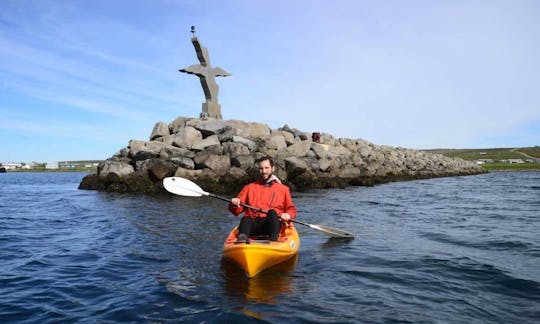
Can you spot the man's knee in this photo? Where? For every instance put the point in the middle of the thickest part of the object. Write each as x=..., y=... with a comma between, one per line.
x=272, y=215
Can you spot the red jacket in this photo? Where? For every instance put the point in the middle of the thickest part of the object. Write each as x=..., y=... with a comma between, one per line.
x=275, y=196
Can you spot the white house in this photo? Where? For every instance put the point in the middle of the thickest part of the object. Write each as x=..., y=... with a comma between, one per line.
x=515, y=161
x=51, y=165
x=484, y=161
x=12, y=166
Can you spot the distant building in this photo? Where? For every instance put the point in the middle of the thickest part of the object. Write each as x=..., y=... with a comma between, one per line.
x=515, y=161
x=51, y=165
x=12, y=166
x=66, y=165
x=484, y=161
x=34, y=164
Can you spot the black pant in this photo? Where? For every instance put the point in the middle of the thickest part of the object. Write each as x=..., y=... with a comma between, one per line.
x=268, y=225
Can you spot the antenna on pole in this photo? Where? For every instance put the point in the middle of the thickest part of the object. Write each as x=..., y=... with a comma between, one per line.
x=193, y=30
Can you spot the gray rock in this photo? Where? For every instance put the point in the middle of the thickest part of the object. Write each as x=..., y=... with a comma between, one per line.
x=236, y=173
x=145, y=155
x=288, y=136
x=208, y=127
x=233, y=149
x=160, y=129
x=327, y=139
x=183, y=162
x=220, y=164
x=226, y=134
x=249, y=130
x=167, y=139
x=178, y=123
x=348, y=172
x=187, y=137
x=295, y=166
x=243, y=162
x=297, y=133
x=276, y=142
x=299, y=149
x=118, y=168
x=169, y=152
x=325, y=164
x=249, y=143
x=140, y=150
x=205, y=143
x=159, y=169
x=188, y=174
x=322, y=151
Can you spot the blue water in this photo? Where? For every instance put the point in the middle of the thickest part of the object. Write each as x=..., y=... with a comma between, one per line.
x=449, y=250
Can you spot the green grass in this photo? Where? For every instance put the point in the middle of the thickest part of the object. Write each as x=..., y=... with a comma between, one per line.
x=532, y=151
x=496, y=154
x=508, y=166
x=491, y=153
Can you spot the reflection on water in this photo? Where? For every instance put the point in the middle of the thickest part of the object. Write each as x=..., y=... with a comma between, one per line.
x=266, y=287
x=334, y=242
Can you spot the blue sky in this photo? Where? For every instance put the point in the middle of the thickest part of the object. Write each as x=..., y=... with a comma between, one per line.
x=79, y=79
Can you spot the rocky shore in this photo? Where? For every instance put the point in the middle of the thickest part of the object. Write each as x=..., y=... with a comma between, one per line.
x=219, y=155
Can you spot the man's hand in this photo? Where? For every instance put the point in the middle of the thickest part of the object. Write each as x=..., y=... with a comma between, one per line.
x=285, y=216
x=236, y=202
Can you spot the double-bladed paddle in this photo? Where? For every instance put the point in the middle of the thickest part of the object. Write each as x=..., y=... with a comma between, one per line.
x=184, y=187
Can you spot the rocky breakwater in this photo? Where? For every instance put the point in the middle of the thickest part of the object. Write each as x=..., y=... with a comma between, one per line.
x=220, y=155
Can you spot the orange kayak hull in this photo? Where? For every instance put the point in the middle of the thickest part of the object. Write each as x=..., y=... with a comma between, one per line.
x=259, y=255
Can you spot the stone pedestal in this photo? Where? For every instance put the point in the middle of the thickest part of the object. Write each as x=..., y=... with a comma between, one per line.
x=211, y=109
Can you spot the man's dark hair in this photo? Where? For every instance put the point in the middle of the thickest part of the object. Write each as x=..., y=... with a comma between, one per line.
x=264, y=158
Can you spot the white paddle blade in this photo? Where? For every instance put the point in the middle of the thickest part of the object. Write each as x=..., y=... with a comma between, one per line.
x=183, y=187
x=332, y=232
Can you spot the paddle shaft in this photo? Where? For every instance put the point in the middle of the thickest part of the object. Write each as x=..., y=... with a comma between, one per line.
x=185, y=187
x=260, y=210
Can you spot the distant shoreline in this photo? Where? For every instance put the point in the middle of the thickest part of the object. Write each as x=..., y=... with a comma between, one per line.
x=512, y=167
x=52, y=170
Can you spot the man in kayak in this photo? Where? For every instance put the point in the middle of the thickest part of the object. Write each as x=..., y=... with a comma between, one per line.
x=267, y=193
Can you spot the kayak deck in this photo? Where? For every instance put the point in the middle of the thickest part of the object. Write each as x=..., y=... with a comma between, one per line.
x=261, y=254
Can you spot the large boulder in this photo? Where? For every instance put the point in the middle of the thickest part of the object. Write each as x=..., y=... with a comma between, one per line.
x=295, y=166
x=159, y=169
x=233, y=149
x=187, y=137
x=249, y=130
x=242, y=140
x=220, y=164
x=177, y=124
x=114, y=167
x=183, y=162
x=276, y=142
x=208, y=127
x=243, y=162
x=212, y=140
x=299, y=149
x=160, y=129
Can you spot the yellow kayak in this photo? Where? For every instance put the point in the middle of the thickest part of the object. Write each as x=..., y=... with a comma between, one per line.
x=259, y=254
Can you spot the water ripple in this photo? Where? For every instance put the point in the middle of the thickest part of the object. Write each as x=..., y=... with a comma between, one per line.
x=463, y=249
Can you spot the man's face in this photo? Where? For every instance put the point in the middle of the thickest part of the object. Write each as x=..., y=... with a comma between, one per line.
x=265, y=170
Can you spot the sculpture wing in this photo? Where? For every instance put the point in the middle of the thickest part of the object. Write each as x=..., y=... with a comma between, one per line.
x=217, y=71
x=193, y=69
